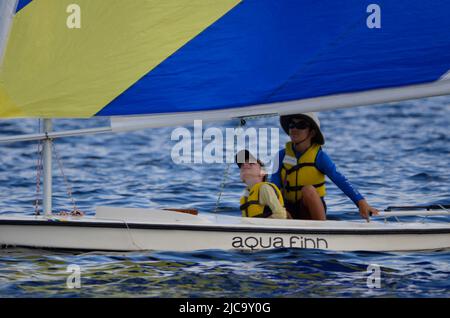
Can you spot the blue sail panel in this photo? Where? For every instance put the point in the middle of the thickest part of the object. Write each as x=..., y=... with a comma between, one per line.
x=265, y=51
x=21, y=4
x=408, y=49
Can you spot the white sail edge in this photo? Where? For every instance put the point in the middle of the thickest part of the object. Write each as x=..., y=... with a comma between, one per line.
x=7, y=11
x=445, y=77
x=364, y=98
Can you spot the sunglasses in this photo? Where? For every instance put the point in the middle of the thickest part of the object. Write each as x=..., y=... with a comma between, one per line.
x=299, y=125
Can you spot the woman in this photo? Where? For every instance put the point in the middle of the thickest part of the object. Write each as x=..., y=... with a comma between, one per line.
x=302, y=168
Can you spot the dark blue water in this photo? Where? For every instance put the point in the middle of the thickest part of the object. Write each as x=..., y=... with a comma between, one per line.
x=394, y=154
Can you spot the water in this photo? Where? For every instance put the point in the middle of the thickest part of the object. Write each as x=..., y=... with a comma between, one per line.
x=280, y=273
x=394, y=154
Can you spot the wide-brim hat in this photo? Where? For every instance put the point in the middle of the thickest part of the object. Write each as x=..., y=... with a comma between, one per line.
x=311, y=118
x=245, y=156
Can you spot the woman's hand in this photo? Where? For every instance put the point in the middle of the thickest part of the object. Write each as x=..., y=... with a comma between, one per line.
x=365, y=210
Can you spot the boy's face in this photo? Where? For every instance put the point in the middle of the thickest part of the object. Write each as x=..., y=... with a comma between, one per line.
x=251, y=170
x=300, y=130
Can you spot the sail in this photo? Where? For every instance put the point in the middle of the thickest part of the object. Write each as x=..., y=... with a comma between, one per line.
x=178, y=60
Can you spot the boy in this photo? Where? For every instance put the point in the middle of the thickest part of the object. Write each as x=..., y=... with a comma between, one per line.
x=261, y=198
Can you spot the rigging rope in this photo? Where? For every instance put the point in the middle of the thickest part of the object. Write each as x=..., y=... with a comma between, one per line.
x=242, y=123
x=67, y=184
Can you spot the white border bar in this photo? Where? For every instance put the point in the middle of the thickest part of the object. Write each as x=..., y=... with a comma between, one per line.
x=56, y=134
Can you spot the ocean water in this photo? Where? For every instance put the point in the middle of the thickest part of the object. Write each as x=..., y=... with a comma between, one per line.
x=397, y=154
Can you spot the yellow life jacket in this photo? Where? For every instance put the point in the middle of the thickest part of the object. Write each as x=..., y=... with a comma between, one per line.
x=250, y=205
x=297, y=173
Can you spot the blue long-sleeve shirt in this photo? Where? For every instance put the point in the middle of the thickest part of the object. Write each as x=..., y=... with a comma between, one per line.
x=325, y=165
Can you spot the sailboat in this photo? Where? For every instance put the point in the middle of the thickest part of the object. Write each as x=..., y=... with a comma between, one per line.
x=154, y=63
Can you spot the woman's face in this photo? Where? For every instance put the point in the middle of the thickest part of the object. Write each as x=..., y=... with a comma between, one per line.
x=300, y=130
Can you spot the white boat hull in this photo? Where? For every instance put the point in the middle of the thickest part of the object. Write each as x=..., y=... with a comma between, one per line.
x=145, y=229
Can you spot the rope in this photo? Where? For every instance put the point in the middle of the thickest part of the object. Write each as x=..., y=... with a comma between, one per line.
x=131, y=237
x=222, y=186
x=68, y=187
x=242, y=123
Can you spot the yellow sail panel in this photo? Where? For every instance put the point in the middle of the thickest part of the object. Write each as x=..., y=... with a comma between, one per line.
x=54, y=70
x=7, y=107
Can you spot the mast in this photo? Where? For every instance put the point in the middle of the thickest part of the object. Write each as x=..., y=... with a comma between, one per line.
x=47, y=165
x=7, y=9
